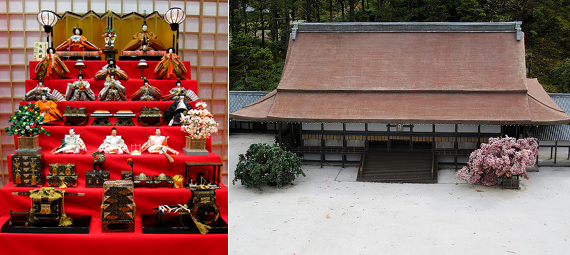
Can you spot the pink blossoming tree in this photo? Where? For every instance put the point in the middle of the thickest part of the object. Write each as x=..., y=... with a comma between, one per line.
x=500, y=157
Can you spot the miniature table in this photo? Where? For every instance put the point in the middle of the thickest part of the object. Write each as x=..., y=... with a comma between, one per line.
x=124, y=118
x=101, y=118
x=216, y=177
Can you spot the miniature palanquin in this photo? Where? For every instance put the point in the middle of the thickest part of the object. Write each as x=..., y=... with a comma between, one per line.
x=47, y=206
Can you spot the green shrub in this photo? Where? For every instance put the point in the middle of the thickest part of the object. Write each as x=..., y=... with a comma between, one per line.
x=264, y=164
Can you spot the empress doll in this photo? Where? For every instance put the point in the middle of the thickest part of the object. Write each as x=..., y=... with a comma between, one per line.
x=170, y=67
x=77, y=42
x=51, y=67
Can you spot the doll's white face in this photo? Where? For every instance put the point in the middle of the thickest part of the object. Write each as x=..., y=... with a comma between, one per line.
x=43, y=98
x=170, y=50
x=157, y=132
x=76, y=31
x=50, y=50
x=80, y=78
x=72, y=132
x=144, y=28
x=114, y=132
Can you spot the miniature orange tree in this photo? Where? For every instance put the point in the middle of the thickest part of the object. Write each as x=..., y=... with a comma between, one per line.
x=26, y=121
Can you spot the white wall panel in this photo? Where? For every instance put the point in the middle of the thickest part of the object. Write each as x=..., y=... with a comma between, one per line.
x=131, y=6
x=146, y=5
x=445, y=128
x=16, y=22
x=496, y=129
x=311, y=126
x=193, y=8
x=333, y=126
x=14, y=5
x=210, y=9
x=355, y=127
x=80, y=6
x=63, y=6
x=377, y=127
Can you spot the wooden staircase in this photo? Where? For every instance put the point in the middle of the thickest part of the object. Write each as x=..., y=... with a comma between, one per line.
x=402, y=166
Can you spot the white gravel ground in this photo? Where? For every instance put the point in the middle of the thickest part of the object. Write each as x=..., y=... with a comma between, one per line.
x=328, y=212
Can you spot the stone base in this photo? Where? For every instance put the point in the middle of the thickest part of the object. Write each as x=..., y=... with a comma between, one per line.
x=34, y=151
x=195, y=153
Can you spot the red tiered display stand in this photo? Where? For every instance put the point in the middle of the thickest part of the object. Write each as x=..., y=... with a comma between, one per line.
x=97, y=242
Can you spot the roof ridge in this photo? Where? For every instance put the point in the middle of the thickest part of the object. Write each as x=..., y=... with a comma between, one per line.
x=413, y=27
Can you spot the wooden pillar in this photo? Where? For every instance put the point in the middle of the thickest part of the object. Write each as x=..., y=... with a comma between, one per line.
x=456, y=144
x=478, y=136
x=411, y=137
x=433, y=136
x=343, y=143
x=280, y=138
x=366, y=142
x=322, y=143
x=555, y=151
x=389, y=143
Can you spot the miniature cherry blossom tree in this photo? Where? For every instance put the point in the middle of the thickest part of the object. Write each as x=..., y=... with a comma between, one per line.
x=500, y=157
x=199, y=122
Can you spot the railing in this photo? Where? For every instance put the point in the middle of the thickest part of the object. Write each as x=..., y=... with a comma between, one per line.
x=554, y=150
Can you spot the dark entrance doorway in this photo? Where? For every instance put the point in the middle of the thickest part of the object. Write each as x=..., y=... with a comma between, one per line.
x=418, y=166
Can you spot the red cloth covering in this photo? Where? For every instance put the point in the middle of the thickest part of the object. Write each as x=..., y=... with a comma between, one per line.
x=131, y=85
x=129, y=66
x=97, y=242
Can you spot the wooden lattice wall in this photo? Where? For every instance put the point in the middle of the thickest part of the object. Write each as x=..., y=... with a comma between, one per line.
x=203, y=42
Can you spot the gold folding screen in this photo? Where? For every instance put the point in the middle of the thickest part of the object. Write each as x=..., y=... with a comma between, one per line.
x=203, y=42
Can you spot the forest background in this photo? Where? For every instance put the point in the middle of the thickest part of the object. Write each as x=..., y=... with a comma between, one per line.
x=259, y=31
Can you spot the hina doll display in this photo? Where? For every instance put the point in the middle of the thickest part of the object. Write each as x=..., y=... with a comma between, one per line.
x=180, y=92
x=176, y=111
x=113, y=91
x=157, y=144
x=170, y=67
x=111, y=69
x=146, y=93
x=144, y=41
x=77, y=42
x=71, y=143
x=51, y=67
x=113, y=144
x=36, y=93
x=48, y=110
x=79, y=90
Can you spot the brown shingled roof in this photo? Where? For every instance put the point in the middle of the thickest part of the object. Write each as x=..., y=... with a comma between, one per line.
x=433, y=76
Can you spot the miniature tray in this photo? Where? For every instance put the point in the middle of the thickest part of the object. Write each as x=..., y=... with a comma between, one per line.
x=101, y=114
x=173, y=225
x=124, y=114
x=80, y=225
